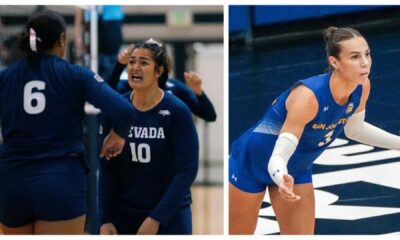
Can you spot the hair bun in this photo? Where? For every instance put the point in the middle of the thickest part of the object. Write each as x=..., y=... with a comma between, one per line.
x=328, y=32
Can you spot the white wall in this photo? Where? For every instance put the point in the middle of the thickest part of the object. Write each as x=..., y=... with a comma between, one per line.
x=208, y=63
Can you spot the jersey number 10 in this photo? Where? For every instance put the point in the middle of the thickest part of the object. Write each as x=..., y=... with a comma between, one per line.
x=142, y=154
x=34, y=102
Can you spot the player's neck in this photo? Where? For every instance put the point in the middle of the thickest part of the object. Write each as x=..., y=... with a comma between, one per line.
x=148, y=99
x=56, y=52
x=340, y=88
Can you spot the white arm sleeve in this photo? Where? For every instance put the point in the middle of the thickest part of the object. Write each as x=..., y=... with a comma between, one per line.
x=359, y=130
x=284, y=148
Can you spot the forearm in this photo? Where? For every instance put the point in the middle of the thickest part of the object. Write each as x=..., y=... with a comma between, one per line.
x=186, y=160
x=107, y=185
x=115, y=75
x=359, y=130
x=284, y=148
x=113, y=105
x=205, y=108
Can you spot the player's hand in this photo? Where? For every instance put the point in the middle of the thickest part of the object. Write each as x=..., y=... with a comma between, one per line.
x=194, y=82
x=123, y=56
x=286, y=189
x=108, y=229
x=112, y=145
x=149, y=227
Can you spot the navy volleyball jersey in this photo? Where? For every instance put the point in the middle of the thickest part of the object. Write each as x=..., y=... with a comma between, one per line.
x=254, y=148
x=42, y=107
x=200, y=105
x=157, y=166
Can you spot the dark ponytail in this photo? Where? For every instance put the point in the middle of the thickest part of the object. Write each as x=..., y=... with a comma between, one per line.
x=41, y=32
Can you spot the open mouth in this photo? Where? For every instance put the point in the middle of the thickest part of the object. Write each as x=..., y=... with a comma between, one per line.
x=364, y=74
x=137, y=78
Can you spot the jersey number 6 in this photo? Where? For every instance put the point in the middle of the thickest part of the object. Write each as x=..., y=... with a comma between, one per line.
x=34, y=102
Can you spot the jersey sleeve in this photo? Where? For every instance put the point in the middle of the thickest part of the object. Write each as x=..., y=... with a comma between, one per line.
x=201, y=106
x=186, y=152
x=112, y=104
x=206, y=109
x=113, y=80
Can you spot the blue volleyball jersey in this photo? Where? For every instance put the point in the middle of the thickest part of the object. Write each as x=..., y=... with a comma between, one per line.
x=158, y=164
x=42, y=107
x=255, y=146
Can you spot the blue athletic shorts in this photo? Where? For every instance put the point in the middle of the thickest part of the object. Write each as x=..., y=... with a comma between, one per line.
x=253, y=183
x=26, y=197
x=129, y=222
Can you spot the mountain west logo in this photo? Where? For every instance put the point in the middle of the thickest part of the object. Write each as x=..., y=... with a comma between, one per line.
x=98, y=78
x=349, y=108
x=164, y=112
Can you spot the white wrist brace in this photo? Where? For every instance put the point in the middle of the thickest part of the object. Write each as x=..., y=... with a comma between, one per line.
x=359, y=130
x=284, y=148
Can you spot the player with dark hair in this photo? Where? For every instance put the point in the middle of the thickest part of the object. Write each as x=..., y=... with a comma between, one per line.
x=191, y=94
x=146, y=189
x=42, y=166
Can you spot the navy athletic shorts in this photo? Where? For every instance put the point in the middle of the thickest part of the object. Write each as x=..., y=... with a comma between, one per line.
x=34, y=192
x=253, y=183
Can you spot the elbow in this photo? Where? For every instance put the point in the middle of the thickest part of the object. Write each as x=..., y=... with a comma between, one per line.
x=211, y=118
x=348, y=133
x=351, y=132
x=214, y=117
x=190, y=173
x=186, y=177
x=193, y=173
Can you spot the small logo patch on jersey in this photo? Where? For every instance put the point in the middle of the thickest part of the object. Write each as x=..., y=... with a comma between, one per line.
x=98, y=78
x=234, y=178
x=164, y=112
x=326, y=108
x=349, y=108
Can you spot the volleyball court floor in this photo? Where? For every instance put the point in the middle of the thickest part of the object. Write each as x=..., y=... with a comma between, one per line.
x=357, y=187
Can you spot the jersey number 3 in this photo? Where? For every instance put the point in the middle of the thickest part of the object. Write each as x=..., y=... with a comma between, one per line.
x=142, y=154
x=34, y=101
x=328, y=138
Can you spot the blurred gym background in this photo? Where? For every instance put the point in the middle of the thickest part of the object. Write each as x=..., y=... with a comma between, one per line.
x=194, y=38
x=271, y=47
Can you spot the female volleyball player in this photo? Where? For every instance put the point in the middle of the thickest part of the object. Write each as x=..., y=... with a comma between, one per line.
x=42, y=97
x=146, y=189
x=277, y=153
x=192, y=94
